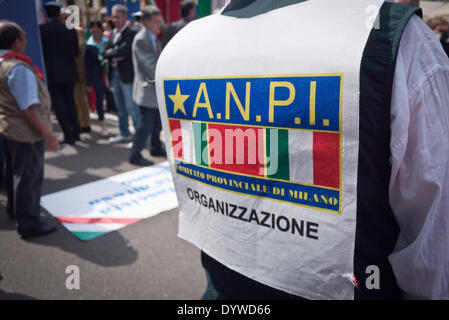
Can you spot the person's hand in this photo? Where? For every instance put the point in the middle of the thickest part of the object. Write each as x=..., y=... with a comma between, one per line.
x=108, y=52
x=51, y=142
x=118, y=59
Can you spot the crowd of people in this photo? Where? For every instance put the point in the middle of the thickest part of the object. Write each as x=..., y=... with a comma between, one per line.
x=103, y=67
x=109, y=67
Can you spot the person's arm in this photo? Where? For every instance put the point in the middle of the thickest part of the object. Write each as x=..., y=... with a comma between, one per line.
x=21, y=77
x=123, y=49
x=419, y=184
x=107, y=45
x=145, y=59
x=36, y=121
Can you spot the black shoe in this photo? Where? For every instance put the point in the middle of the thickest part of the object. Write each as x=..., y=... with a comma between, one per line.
x=42, y=229
x=158, y=153
x=141, y=162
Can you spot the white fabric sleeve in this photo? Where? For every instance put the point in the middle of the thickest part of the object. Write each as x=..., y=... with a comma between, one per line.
x=419, y=185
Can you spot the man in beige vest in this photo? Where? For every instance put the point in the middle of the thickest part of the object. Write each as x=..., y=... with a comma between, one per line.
x=26, y=129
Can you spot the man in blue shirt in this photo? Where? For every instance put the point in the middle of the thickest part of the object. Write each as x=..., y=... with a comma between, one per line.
x=25, y=127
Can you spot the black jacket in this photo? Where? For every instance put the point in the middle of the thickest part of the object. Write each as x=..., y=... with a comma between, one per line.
x=60, y=48
x=121, y=49
x=173, y=29
x=94, y=70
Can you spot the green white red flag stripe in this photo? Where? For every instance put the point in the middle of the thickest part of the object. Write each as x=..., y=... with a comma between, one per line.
x=273, y=153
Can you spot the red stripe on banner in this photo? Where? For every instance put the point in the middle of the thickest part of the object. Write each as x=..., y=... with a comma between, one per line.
x=176, y=138
x=326, y=159
x=241, y=153
x=127, y=221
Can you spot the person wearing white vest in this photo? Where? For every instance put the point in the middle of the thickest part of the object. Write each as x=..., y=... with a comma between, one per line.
x=310, y=169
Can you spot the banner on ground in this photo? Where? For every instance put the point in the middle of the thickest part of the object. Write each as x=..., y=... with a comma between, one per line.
x=93, y=209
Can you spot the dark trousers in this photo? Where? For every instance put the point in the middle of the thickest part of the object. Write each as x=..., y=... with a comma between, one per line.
x=226, y=284
x=99, y=89
x=63, y=103
x=24, y=174
x=149, y=124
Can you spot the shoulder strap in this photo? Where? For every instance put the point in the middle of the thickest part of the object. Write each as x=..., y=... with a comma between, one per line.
x=376, y=228
x=251, y=8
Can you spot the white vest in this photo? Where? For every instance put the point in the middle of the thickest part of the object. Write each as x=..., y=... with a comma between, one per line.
x=261, y=123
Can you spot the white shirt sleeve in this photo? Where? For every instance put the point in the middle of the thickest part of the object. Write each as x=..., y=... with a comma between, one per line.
x=419, y=184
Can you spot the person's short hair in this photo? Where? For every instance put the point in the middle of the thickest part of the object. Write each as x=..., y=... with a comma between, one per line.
x=186, y=6
x=9, y=33
x=120, y=8
x=149, y=11
x=96, y=23
x=436, y=21
x=52, y=11
x=110, y=23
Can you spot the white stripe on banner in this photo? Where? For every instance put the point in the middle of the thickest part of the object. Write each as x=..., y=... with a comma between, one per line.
x=188, y=144
x=300, y=146
x=93, y=227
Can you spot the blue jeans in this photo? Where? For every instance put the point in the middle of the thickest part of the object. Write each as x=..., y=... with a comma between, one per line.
x=150, y=124
x=123, y=96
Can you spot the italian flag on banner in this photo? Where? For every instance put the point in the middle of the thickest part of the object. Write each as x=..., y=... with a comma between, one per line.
x=89, y=228
x=303, y=156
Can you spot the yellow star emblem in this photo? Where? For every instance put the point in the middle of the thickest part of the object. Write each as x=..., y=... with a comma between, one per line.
x=178, y=100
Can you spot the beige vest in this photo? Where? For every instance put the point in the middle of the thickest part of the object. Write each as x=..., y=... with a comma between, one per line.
x=13, y=123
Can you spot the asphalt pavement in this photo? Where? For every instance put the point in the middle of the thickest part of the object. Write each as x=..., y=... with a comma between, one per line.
x=145, y=260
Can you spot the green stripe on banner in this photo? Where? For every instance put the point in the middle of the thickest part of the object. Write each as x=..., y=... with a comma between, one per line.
x=200, y=142
x=283, y=167
x=87, y=235
x=204, y=8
